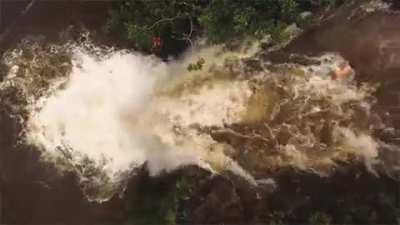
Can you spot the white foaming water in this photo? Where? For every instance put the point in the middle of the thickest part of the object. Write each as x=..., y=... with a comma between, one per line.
x=109, y=113
x=88, y=115
x=215, y=104
x=116, y=112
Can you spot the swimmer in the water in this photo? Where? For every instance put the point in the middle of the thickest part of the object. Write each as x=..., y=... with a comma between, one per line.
x=342, y=72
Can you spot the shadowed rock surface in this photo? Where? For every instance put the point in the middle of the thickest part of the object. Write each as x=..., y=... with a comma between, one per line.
x=368, y=40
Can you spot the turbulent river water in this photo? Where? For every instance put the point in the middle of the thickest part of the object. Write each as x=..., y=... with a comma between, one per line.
x=101, y=113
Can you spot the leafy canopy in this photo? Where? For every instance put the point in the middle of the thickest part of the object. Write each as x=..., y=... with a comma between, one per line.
x=178, y=22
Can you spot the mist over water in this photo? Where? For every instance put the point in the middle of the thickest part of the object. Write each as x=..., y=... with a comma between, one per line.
x=113, y=111
x=109, y=112
x=88, y=115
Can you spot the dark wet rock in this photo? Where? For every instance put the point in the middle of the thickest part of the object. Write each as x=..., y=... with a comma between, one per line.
x=33, y=191
x=395, y=5
x=352, y=194
x=191, y=195
x=368, y=40
x=52, y=17
x=227, y=199
x=221, y=203
x=35, y=194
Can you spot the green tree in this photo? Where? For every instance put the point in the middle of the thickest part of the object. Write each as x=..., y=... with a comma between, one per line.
x=224, y=20
x=320, y=218
x=140, y=21
x=178, y=22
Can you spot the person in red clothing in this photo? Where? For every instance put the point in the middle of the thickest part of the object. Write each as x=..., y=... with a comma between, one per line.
x=157, y=43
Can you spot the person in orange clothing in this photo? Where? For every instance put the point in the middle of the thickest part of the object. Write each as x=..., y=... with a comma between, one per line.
x=343, y=71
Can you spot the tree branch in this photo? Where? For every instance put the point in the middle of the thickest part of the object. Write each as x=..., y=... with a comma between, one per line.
x=161, y=21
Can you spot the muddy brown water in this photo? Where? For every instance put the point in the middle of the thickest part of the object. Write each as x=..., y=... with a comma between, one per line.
x=371, y=44
x=33, y=193
x=50, y=17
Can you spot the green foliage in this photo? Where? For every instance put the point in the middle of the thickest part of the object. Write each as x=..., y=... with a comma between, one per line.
x=196, y=66
x=181, y=193
x=320, y=218
x=158, y=202
x=177, y=22
x=155, y=205
x=139, y=21
x=276, y=218
x=331, y=2
x=224, y=20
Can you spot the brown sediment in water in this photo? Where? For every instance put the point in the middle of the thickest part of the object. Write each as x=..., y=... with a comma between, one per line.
x=369, y=41
x=48, y=19
x=30, y=200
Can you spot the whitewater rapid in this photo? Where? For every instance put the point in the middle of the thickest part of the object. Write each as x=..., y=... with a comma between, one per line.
x=109, y=112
